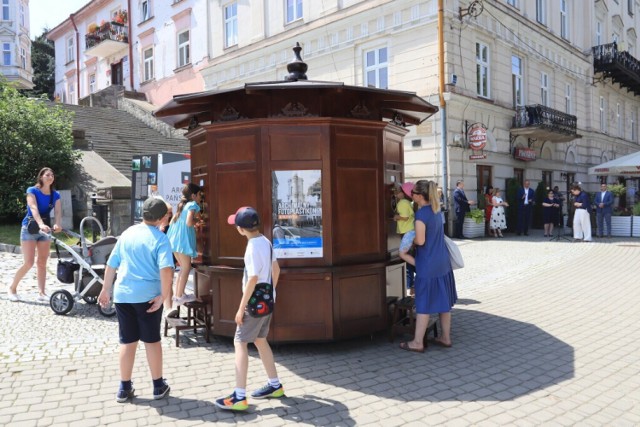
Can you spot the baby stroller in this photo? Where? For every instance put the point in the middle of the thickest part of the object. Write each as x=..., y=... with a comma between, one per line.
x=85, y=269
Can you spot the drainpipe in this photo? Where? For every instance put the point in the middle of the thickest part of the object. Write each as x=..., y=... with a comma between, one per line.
x=77, y=56
x=130, y=38
x=443, y=104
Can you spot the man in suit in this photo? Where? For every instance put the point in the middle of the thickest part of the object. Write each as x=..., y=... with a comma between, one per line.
x=604, y=203
x=461, y=206
x=526, y=199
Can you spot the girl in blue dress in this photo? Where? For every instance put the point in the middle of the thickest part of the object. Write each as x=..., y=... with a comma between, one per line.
x=435, y=285
x=182, y=236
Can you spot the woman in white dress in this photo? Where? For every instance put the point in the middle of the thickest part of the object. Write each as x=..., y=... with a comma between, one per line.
x=498, y=218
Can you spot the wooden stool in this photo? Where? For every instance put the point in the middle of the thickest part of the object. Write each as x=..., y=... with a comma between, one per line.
x=403, y=320
x=197, y=318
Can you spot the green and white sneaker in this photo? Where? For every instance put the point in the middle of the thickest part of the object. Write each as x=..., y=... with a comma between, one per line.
x=268, y=391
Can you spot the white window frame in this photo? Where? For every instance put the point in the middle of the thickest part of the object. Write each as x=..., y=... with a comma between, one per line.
x=619, y=116
x=292, y=10
x=230, y=24
x=541, y=11
x=6, y=10
x=184, y=49
x=71, y=49
x=23, y=58
x=145, y=10
x=376, y=67
x=148, y=72
x=6, y=54
x=72, y=92
x=22, y=15
x=567, y=98
x=564, y=19
x=598, y=33
x=517, y=81
x=92, y=83
x=603, y=118
x=634, y=125
x=483, y=71
x=544, y=89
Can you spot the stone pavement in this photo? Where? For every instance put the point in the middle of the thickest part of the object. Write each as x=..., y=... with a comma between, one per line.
x=545, y=333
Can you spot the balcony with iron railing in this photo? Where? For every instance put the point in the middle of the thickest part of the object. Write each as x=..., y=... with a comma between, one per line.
x=544, y=123
x=620, y=66
x=107, y=40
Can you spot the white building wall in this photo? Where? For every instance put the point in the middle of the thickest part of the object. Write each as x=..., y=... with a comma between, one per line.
x=15, y=32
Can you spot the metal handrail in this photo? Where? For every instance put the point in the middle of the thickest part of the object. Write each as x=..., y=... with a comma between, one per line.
x=540, y=115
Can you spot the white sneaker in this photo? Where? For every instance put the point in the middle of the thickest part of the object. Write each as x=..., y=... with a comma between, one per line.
x=13, y=297
x=184, y=299
x=43, y=298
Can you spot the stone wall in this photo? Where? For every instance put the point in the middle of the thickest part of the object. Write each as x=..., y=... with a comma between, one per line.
x=147, y=118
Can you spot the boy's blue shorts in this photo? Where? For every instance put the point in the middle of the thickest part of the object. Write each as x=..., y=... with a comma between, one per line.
x=135, y=324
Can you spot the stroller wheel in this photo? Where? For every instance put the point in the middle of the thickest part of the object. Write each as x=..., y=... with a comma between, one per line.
x=108, y=311
x=90, y=300
x=61, y=302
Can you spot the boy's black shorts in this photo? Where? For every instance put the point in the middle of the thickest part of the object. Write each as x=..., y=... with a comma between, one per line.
x=135, y=324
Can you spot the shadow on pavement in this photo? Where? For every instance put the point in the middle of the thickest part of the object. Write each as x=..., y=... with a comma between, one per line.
x=493, y=359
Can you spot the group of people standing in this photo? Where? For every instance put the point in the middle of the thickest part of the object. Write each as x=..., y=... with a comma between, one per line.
x=435, y=286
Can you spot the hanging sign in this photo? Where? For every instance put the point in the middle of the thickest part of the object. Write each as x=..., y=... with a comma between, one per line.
x=525, y=154
x=477, y=136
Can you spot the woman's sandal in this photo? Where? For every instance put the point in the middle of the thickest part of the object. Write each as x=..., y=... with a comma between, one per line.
x=405, y=346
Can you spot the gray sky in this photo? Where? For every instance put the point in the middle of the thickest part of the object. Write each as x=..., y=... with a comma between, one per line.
x=50, y=13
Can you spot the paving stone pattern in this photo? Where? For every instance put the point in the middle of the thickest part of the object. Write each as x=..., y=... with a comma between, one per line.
x=545, y=333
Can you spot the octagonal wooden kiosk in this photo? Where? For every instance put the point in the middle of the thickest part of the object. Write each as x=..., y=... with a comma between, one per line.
x=317, y=160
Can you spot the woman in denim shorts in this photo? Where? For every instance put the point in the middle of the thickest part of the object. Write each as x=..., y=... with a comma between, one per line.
x=41, y=200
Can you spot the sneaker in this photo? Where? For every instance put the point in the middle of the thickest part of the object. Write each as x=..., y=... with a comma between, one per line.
x=124, y=395
x=268, y=391
x=160, y=392
x=13, y=297
x=43, y=298
x=232, y=403
x=184, y=299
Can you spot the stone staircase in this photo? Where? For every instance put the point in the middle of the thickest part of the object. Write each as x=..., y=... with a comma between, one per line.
x=117, y=136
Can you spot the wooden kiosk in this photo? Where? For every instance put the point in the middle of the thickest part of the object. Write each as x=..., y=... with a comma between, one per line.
x=318, y=161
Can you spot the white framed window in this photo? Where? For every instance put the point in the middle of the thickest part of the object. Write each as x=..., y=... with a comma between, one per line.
x=564, y=19
x=72, y=93
x=630, y=7
x=513, y=3
x=71, y=50
x=598, y=33
x=22, y=16
x=231, y=24
x=5, y=10
x=567, y=98
x=541, y=11
x=6, y=53
x=184, y=48
x=619, y=116
x=92, y=83
x=603, y=118
x=544, y=89
x=376, y=68
x=634, y=125
x=483, y=87
x=293, y=10
x=145, y=10
x=147, y=56
x=517, y=81
x=23, y=58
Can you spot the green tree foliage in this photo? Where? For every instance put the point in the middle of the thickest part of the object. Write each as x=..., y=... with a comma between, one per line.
x=33, y=134
x=44, y=63
x=511, y=191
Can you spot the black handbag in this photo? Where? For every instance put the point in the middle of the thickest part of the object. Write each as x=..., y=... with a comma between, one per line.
x=261, y=302
x=65, y=268
x=32, y=224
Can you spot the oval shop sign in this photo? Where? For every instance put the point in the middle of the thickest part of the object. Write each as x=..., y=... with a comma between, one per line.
x=477, y=136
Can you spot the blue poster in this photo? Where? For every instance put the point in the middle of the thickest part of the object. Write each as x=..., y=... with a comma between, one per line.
x=297, y=214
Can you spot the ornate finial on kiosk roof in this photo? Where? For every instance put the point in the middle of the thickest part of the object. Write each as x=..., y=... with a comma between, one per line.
x=296, y=68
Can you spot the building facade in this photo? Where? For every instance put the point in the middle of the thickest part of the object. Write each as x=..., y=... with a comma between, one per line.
x=16, y=44
x=148, y=46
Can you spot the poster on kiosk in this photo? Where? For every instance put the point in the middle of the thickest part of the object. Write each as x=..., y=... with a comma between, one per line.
x=158, y=175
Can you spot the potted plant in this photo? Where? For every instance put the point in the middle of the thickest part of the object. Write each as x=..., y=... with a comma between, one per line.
x=621, y=221
x=92, y=28
x=618, y=191
x=473, y=225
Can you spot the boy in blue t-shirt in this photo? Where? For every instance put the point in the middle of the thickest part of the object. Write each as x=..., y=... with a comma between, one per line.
x=142, y=256
x=260, y=266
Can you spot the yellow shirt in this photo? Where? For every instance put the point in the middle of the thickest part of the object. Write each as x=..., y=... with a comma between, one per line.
x=405, y=210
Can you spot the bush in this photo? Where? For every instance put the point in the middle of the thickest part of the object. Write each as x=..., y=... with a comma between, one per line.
x=636, y=209
x=618, y=190
x=33, y=134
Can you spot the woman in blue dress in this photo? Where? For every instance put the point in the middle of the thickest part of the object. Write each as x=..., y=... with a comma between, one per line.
x=182, y=236
x=435, y=285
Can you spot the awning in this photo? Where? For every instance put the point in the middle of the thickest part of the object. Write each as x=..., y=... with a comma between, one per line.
x=628, y=165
